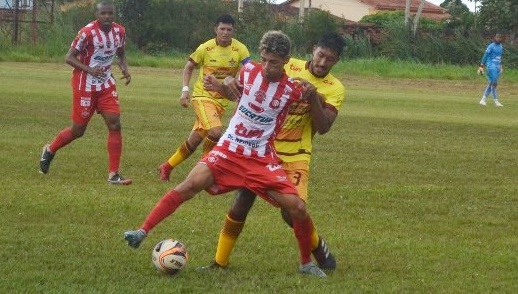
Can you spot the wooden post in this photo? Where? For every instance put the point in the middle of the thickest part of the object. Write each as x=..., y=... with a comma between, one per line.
x=34, y=23
x=301, y=11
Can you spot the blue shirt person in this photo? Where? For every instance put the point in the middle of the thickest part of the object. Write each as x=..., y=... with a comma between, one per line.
x=492, y=60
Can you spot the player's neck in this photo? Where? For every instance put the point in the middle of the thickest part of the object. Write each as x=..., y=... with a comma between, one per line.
x=223, y=44
x=103, y=28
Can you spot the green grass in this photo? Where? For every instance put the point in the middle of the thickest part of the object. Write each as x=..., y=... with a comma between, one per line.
x=415, y=188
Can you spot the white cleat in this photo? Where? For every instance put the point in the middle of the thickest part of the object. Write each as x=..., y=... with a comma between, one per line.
x=483, y=102
x=498, y=104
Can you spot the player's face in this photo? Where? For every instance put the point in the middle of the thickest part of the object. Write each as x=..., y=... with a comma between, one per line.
x=224, y=33
x=322, y=61
x=273, y=65
x=105, y=16
x=498, y=39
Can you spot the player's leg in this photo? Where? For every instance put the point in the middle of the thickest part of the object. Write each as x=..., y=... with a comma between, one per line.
x=108, y=107
x=298, y=173
x=493, y=73
x=181, y=153
x=114, y=146
x=83, y=107
x=210, y=115
x=486, y=93
x=198, y=179
x=302, y=227
x=208, y=118
x=234, y=222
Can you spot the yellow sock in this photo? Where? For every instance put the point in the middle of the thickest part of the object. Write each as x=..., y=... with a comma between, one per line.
x=314, y=238
x=208, y=143
x=227, y=240
x=182, y=153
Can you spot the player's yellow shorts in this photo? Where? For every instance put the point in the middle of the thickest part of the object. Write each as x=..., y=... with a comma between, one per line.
x=208, y=114
x=298, y=172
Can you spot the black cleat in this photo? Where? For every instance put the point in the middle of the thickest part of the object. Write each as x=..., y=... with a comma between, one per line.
x=117, y=179
x=323, y=256
x=46, y=159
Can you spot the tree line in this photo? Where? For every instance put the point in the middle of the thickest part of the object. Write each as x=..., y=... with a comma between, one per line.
x=163, y=27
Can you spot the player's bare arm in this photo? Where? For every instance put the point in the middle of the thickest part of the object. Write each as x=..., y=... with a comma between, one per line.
x=71, y=59
x=123, y=65
x=229, y=88
x=211, y=83
x=187, y=74
x=232, y=88
x=322, y=118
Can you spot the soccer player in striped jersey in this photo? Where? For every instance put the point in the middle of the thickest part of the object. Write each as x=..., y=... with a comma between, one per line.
x=294, y=145
x=244, y=157
x=220, y=57
x=93, y=85
x=492, y=59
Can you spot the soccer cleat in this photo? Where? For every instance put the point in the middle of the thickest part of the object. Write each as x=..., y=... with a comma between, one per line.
x=46, y=159
x=498, y=104
x=213, y=266
x=483, y=101
x=134, y=238
x=323, y=256
x=165, y=170
x=311, y=269
x=117, y=179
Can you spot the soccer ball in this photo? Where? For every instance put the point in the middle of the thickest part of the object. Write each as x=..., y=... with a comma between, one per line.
x=169, y=256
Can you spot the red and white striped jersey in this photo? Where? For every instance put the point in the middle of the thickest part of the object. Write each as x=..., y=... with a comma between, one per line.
x=97, y=48
x=260, y=113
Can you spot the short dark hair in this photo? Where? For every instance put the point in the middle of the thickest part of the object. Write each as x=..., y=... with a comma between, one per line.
x=275, y=42
x=225, y=18
x=103, y=3
x=332, y=41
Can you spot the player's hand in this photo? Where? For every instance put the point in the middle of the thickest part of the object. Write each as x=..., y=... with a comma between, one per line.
x=501, y=69
x=96, y=71
x=480, y=70
x=232, y=88
x=211, y=83
x=126, y=76
x=309, y=92
x=184, y=99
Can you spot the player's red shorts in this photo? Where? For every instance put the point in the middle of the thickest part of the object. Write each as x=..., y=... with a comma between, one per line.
x=86, y=103
x=233, y=171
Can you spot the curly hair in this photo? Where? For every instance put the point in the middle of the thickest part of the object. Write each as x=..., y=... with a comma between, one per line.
x=275, y=42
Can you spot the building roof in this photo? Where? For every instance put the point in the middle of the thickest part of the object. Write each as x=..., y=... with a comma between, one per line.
x=361, y=8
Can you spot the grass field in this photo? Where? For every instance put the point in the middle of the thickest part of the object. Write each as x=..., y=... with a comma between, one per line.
x=415, y=188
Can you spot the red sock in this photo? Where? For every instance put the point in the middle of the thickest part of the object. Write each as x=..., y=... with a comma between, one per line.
x=114, y=149
x=166, y=206
x=302, y=231
x=63, y=138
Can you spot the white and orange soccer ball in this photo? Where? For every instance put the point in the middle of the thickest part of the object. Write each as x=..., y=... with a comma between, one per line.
x=169, y=256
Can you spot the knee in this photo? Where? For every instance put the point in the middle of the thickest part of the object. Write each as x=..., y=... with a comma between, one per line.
x=286, y=217
x=297, y=211
x=114, y=126
x=215, y=133
x=78, y=131
x=242, y=205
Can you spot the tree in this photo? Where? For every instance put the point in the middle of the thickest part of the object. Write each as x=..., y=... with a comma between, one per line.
x=417, y=16
x=500, y=16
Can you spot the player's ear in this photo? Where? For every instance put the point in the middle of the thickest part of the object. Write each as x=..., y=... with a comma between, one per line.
x=286, y=59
